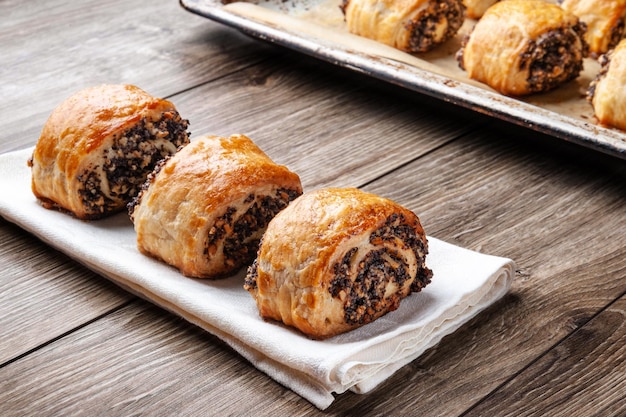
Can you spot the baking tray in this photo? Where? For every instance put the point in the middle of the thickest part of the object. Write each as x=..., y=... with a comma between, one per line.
x=317, y=28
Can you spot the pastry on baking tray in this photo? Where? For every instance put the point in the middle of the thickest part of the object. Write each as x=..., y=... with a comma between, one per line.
x=336, y=259
x=411, y=26
x=476, y=8
x=606, y=91
x=605, y=22
x=521, y=47
x=204, y=209
x=98, y=146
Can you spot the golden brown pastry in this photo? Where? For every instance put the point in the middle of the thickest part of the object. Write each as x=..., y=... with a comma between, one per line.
x=476, y=8
x=98, y=146
x=606, y=92
x=521, y=47
x=336, y=259
x=408, y=25
x=205, y=208
x=605, y=22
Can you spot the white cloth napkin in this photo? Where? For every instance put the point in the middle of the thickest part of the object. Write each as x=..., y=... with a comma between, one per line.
x=464, y=283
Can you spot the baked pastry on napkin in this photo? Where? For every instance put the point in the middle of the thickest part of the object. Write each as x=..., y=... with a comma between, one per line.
x=336, y=259
x=98, y=146
x=204, y=209
x=411, y=26
x=521, y=47
x=466, y=282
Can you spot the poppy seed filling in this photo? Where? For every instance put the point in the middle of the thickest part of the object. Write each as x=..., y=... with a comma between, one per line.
x=365, y=295
x=241, y=234
x=130, y=159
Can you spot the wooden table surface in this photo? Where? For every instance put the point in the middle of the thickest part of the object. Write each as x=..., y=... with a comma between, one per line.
x=74, y=343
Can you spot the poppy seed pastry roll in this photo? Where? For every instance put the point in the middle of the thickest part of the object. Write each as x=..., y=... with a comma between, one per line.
x=98, y=146
x=204, y=209
x=521, y=47
x=605, y=20
x=409, y=25
x=336, y=259
x=606, y=92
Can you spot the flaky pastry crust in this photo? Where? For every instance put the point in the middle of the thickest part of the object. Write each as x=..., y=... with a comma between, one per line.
x=205, y=208
x=605, y=22
x=606, y=92
x=521, y=47
x=409, y=25
x=336, y=259
x=98, y=146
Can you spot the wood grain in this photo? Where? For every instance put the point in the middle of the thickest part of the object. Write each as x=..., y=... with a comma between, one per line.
x=467, y=365
x=160, y=48
x=50, y=52
x=343, y=130
x=563, y=278
x=140, y=359
x=74, y=344
x=287, y=134
x=44, y=294
x=572, y=378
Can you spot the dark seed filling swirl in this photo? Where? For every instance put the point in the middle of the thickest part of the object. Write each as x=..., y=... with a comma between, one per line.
x=555, y=57
x=364, y=297
x=424, y=27
x=617, y=33
x=90, y=192
x=128, y=162
x=250, y=281
x=146, y=184
x=242, y=234
x=604, y=60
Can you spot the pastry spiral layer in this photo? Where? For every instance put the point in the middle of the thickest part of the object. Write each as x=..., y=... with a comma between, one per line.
x=411, y=26
x=204, y=209
x=521, y=47
x=98, y=146
x=337, y=259
x=606, y=92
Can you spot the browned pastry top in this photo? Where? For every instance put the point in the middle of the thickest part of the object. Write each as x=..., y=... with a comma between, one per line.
x=604, y=20
x=408, y=25
x=499, y=49
x=192, y=191
x=82, y=122
x=214, y=171
x=343, y=212
x=306, y=244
